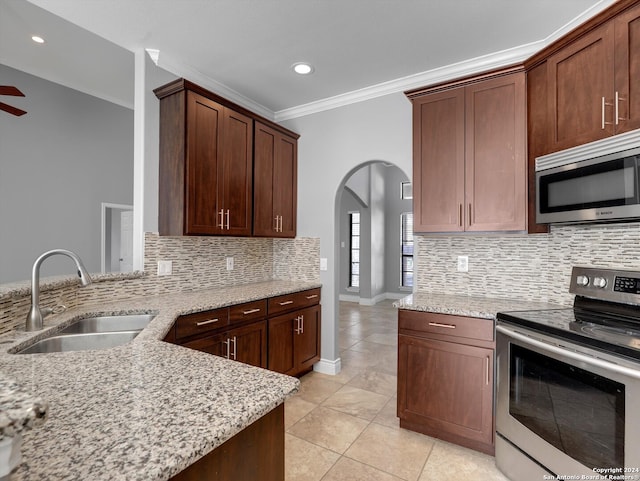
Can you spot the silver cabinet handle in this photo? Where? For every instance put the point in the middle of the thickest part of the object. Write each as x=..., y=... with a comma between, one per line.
x=251, y=311
x=460, y=215
x=286, y=303
x=602, y=113
x=226, y=343
x=617, y=108
x=313, y=296
x=221, y=214
x=439, y=324
x=298, y=328
x=235, y=350
x=302, y=324
x=204, y=323
x=487, y=370
x=227, y=219
x=276, y=221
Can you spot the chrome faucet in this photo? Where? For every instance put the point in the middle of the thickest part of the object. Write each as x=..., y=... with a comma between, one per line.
x=36, y=314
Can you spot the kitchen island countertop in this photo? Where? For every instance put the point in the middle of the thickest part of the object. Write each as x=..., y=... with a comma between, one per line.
x=145, y=410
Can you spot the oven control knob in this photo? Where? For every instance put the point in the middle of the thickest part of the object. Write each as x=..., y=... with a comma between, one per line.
x=582, y=280
x=600, y=282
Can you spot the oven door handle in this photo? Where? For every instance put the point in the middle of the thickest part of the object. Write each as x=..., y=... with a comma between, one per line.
x=576, y=356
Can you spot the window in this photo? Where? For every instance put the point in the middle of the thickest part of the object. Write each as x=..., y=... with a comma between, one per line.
x=406, y=190
x=407, y=249
x=354, y=255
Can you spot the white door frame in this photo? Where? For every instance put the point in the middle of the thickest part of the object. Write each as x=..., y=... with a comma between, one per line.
x=103, y=229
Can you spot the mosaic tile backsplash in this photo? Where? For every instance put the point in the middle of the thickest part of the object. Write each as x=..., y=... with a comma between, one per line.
x=519, y=266
x=197, y=263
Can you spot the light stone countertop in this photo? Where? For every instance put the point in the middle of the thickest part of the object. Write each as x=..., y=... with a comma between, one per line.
x=145, y=410
x=467, y=306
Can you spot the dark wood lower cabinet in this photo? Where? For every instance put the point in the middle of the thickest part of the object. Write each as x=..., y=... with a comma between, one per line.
x=257, y=452
x=445, y=378
x=294, y=341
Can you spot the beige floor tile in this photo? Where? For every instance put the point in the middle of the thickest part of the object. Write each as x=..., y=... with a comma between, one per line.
x=305, y=461
x=357, y=402
x=387, y=362
x=330, y=429
x=367, y=346
x=295, y=408
x=390, y=339
x=468, y=464
x=349, y=470
x=374, y=381
x=388, y=415
x=395, y=451
x=315, y=388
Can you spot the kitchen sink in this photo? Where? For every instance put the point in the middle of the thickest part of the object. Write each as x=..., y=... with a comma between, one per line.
x=125, y=322
x=89, y=333
x=80, y=342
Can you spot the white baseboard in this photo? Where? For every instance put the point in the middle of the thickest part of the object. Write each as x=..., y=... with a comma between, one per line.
x=372, y=302
x=325, y=366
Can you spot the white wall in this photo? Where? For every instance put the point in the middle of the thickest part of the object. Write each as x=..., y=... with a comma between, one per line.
x=332, y=144
x=58, y=163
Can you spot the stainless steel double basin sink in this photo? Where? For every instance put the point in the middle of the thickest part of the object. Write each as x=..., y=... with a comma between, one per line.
x=89, y=333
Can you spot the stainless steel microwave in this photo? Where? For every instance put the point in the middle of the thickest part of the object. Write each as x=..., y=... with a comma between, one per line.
x=592, y=189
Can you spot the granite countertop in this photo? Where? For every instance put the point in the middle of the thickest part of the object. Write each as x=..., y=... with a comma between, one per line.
x=468, y=306
x=145, y=410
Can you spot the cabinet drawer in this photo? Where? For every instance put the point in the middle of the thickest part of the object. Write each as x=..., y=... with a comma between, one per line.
x=445, y=325
x=201, y=322
x=248, y=311
x=294, y=301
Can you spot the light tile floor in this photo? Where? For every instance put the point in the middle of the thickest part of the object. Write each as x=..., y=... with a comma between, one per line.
x=344, y=427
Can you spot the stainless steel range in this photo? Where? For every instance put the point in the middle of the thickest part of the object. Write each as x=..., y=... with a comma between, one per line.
x=568, y=384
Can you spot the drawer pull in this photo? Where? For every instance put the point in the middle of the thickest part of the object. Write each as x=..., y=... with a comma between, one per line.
x=439, y=324
x=204, y=323
x=251, y=311
x=286, y=303
x=312, y=296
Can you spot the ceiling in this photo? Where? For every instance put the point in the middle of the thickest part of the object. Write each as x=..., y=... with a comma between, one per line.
x=243, y=49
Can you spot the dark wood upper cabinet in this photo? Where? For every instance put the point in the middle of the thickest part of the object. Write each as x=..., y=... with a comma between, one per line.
x=470, y=155
x=207, y=179
x=276, y=178
x=591, y=89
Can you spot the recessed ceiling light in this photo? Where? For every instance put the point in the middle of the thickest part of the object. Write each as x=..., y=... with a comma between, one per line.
x=37, y=39
x=302, y=68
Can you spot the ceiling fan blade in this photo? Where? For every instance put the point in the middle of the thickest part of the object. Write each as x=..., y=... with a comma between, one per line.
x=12, y=110
x=10, y=90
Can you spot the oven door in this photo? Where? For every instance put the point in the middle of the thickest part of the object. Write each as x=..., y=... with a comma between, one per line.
x=567, y=410
x=596, y=189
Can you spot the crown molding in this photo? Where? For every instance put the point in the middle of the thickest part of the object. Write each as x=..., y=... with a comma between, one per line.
x=185, y=71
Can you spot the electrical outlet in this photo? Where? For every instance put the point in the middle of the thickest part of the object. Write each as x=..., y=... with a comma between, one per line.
x=229, y=263
x=463, y=263
x=165, y=268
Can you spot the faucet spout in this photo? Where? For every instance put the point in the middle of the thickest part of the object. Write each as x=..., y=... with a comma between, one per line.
x=35, y=316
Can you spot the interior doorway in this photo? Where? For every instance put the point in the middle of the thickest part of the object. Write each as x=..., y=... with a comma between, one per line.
x=117, y=238
x=373, y=207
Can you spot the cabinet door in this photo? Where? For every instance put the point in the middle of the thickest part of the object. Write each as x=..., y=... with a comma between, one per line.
x=579, y=77
x=204, y=125
x=214, y=344
x=438, y=161
x=627, y=69
x=307, y=338
x=495, y=155
x=285, y=181
x=281, y=338
x=446, y=389
x=249, y=344
x=235, y=175
x=275, y=183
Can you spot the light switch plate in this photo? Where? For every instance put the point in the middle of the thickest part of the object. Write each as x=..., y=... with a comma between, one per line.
x=324, y=265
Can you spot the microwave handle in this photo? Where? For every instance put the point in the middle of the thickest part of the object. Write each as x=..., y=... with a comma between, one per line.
x=576, y=356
